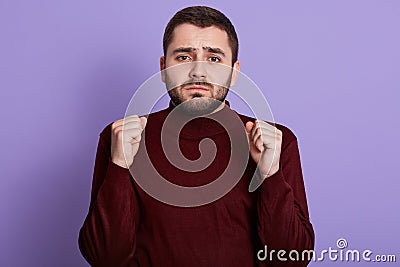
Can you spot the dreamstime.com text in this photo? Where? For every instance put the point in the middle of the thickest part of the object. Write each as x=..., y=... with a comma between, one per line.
x=340, y=254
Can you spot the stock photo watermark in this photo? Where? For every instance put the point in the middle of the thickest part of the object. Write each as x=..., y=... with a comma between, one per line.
x=338, y=254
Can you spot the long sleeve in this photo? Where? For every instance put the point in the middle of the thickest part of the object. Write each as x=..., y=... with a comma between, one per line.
x=107, y=237
x=283, y=219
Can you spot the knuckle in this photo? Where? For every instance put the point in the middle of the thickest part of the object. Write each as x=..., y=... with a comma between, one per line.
x=115, y=131
x=119, y=133
x=134, y=116
x=114, y=125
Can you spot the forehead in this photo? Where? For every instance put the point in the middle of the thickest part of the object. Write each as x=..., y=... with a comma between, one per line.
x=188, y=35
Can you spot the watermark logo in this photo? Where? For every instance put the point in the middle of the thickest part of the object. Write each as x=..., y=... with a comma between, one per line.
x=338, y=254
x=341, y=243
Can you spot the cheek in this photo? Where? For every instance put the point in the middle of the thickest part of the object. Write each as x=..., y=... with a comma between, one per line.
x=219, y=92
x=220, y=75
x=177, y=75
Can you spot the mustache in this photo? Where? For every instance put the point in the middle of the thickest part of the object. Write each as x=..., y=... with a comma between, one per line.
x=200, y=83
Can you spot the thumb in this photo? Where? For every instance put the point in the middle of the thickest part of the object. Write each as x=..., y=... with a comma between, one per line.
x=249, y=126
x=143, y=121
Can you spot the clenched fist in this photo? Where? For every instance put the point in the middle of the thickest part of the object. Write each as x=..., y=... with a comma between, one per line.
x=265, y=146
x=125, y=138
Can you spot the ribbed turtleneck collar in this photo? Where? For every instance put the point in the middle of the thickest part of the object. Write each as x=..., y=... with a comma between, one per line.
x=207, y=125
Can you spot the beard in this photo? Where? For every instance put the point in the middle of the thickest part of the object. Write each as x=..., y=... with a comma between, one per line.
x=197, y=104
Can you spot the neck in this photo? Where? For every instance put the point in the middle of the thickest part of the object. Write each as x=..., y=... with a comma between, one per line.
x=221, y=106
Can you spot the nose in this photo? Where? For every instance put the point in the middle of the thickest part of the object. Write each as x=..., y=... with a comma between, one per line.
x=198, y=70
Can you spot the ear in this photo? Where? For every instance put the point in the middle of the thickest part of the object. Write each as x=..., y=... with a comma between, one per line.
x=162, y=68
x=235, y=73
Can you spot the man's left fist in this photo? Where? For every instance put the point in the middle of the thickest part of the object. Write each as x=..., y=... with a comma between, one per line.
x=265, y=146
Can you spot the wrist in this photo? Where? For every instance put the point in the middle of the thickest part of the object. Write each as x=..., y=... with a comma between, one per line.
x=121, y=163
x=271, y=171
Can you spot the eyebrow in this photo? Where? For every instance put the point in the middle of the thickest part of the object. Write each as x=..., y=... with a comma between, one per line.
x=192, y=49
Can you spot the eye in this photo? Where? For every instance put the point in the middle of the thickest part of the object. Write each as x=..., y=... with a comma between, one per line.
x=183, y=58
x=214, y=59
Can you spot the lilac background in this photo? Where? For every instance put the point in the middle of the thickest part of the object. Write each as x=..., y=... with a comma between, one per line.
x=330, y=70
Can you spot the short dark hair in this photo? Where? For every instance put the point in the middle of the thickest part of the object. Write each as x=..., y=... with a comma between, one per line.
x=202, y=16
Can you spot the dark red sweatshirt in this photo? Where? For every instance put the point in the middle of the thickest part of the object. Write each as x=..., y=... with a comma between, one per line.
x=127, y=227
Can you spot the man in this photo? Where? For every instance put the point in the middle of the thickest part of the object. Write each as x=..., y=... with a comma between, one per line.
x=126, y=226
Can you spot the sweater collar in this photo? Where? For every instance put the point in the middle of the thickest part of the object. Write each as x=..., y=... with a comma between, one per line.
x=207, y=125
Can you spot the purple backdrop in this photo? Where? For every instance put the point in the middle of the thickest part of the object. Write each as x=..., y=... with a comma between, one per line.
x=330, y=70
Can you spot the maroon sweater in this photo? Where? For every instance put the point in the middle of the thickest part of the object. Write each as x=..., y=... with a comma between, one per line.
x=127, y=227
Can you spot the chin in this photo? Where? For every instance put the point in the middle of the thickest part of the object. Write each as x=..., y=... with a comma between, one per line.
x=200, y=105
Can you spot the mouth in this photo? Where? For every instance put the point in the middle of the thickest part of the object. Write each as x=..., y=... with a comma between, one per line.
x=197, y=88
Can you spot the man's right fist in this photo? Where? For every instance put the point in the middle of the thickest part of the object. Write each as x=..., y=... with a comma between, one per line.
x=125, y=138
